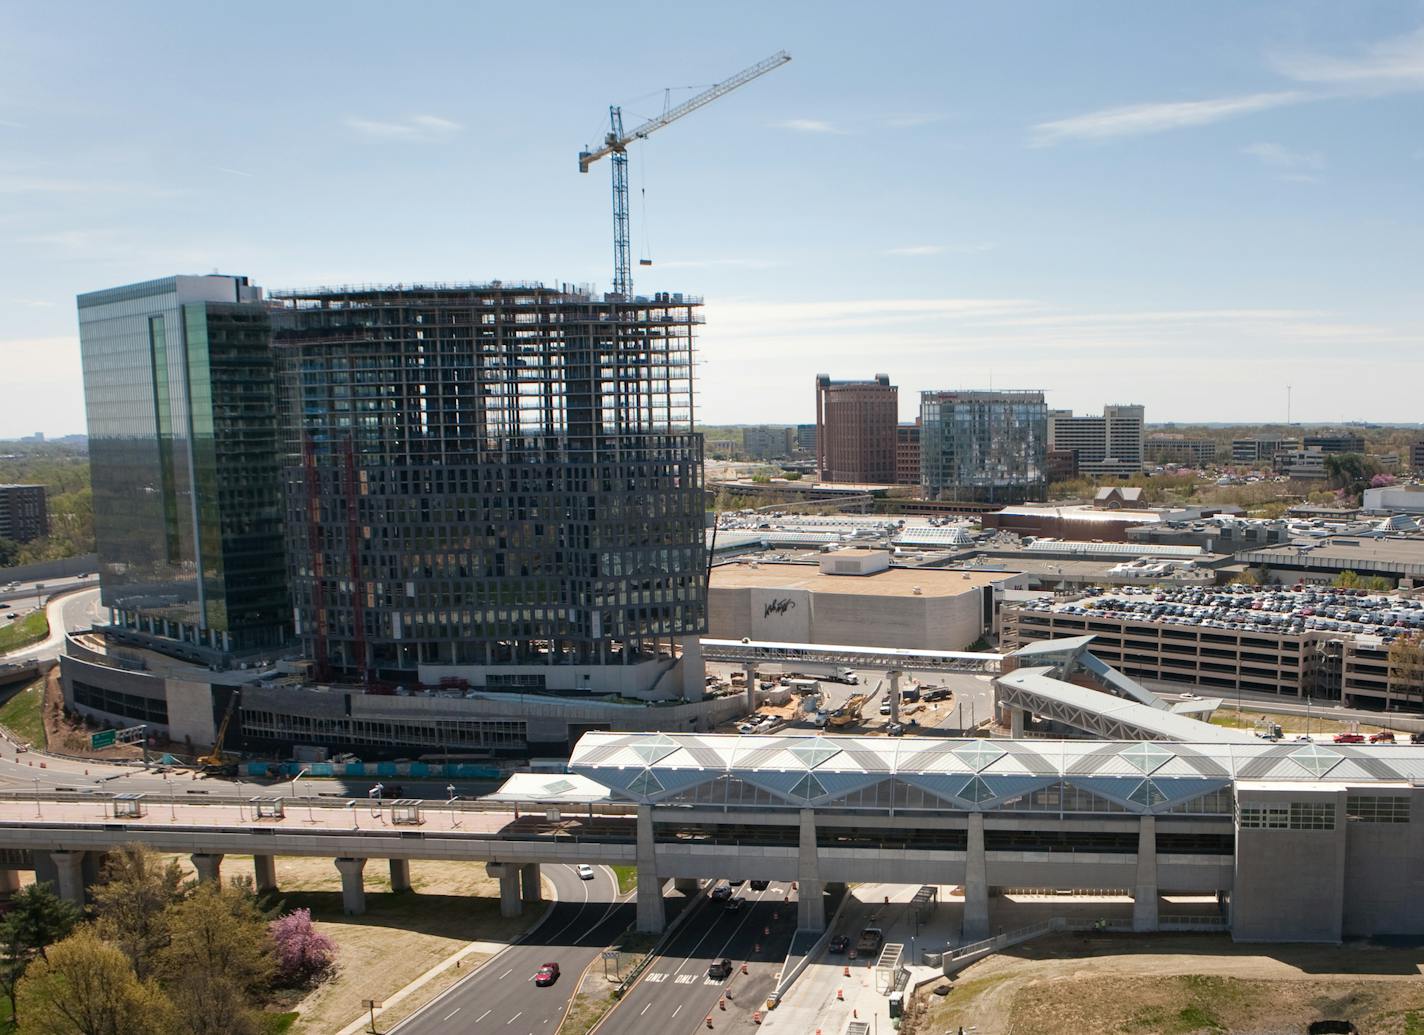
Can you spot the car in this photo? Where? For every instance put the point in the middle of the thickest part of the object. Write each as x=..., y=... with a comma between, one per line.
x=546, y=975
x=721, y=891
x=884, y=707
x=838, y=946
x=1349, y=738
x=584, y=871
x=1189, y=697
x=736, y=883
x=759, y=885
x=895, y=729
x=734, y=904
x=720, y=970
x=1382, y=737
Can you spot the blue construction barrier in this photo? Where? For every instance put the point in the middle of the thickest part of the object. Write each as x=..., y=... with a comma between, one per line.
x=379, y=770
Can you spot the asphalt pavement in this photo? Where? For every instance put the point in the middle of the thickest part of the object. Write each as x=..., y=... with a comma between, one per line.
x=674, y=994
x=501, y=995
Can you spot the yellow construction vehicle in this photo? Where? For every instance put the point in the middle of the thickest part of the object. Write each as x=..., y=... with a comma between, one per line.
x=848, y=714
x=217, y=762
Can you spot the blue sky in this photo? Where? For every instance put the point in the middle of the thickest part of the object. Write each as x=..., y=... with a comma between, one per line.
x=1188, y=206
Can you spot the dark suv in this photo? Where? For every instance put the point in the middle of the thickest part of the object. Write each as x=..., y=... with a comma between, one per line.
x=720, y=970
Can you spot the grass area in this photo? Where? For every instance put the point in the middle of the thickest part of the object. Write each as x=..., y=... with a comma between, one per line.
x=22, y=714
x=278, y=1023
x=22, y=632
x=1291, y=724
x=587, y=1009
x=627, y=878
x=1414, y=1022
x=400, y=936
x=958, y=1009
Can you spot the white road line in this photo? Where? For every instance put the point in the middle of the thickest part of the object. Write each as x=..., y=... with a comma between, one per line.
x=452, y=1013
x=515, y=1017
x=678, y=1010
x=483, y=1016
x=505, y=974
x=644, y=1010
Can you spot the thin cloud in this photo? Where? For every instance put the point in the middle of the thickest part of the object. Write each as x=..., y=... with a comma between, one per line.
x=1278, y=156
x=234, y=172
x=414, y=127
x=916, y=249
x=911, y=120
x=1392, y=64
x=11, y=125
x=810, y=126
x=702, y=264
x=1136, y=119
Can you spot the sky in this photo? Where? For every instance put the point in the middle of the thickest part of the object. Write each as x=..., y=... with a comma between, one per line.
x=1190, y=206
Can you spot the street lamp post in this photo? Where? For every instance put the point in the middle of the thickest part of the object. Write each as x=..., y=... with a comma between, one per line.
x=296, y=793
x=454, y=816
x=172, y=798
x=374, y=796
x=37, y=797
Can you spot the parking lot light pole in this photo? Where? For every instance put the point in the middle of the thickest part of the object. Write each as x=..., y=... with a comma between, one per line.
x=172, y=798
x=37, y=797
x=454, y=816
x=295, y=793
x=374, y=797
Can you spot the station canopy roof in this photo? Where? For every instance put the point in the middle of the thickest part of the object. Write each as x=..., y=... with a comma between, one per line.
x=550, y=789
x=938, y=774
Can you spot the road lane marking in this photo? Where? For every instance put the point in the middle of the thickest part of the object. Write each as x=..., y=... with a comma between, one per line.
x=644, y=1009
x=684, y=979
x=483, y=1016
x=452, y=1013
x=515, y=1017
x=655, y=978
x=678, y=1010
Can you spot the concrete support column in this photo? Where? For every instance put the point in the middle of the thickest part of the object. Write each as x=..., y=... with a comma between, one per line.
x=9, y=881
x=976, y=884
x=894, y=695
x=353, y=885
x=751, y=673
x=69, y=876
x=264, y=873
x=400, y=874
x=208, y=865
x=810, y=906
x=1016, y=723
x=1144, y=893
x=530, y=888
x=694, y=669
x=508, y=876
x=688, y=886
x=652, y=915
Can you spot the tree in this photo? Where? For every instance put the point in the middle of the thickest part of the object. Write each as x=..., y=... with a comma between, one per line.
x=1406, y=665
x=1348, y=580
x=9, y=552
x=303, y=954
x=132, y=903
x=218, y=960
x=87, y=987
x=41, y=916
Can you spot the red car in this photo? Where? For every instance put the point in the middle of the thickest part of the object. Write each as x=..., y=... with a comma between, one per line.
x=547, y=975
x=1382, y=737
x=1349, y=738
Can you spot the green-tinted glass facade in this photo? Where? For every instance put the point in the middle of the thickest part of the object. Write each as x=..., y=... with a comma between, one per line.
x=986, y=446
x=180, y=399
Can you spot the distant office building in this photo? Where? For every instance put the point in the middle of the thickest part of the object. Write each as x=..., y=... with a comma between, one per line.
x=36, y=438
x=907, y=454
x=855, y=429
x=1189, y=452
x=497, y=485
x=1061, y=464
x=1416, y=456
x=806, y=438
x=23, y=513
x=1302, y=463
x=721, y=448
x=768, y=442
x=1260, y=450
x=1105, y=446
x=987, y=446
x=179, y=395
x=1344, y=443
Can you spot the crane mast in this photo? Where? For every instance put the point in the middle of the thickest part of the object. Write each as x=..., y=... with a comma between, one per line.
x=616, y=144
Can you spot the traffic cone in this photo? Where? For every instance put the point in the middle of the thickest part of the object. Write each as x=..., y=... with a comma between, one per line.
x=756, y=947
x=709, y=1020
x=722, y=1002
x=845, y=971
x=744, y=966
x=840, y=995
x=756, y=1016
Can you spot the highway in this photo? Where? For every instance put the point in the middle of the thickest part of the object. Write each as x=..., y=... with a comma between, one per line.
x=501, y=995
x=674, y=994
x=67, y=613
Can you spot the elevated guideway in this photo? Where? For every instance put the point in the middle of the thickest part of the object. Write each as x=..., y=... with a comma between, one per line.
x=744, y=652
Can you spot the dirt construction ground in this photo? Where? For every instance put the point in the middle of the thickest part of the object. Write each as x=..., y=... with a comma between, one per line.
x=1178, y=985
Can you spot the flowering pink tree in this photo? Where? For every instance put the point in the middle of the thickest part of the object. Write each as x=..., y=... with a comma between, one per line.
x=1379, y=481
x=304, y=955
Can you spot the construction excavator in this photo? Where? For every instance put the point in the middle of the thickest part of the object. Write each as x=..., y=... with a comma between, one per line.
x=848, y=714
x=218, y=762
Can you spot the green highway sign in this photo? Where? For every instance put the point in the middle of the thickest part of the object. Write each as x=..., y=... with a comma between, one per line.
x=103, y=739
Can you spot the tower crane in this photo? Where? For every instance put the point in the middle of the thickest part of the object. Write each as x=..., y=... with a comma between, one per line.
x=616, y=144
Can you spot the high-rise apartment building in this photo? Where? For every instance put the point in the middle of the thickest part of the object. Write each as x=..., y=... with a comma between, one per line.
x=24, y=514
x=497, y=484
x=907, y=454
x=986, y=446
x=855, y=429
x=1104, y=446
x=179, y=395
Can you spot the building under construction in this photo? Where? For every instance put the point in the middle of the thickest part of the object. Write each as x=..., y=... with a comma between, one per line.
x=493, y=485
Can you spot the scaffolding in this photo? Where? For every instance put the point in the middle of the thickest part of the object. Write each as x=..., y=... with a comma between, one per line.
x=490, y=475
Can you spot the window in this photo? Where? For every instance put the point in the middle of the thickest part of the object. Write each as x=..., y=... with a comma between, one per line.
x=1297, y=815
x=1376, y=808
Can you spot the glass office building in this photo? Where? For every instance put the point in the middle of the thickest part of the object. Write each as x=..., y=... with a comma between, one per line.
x=181, y=406
x=983, y=446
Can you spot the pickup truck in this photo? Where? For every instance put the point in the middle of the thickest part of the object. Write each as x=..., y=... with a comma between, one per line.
x=869, y=941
